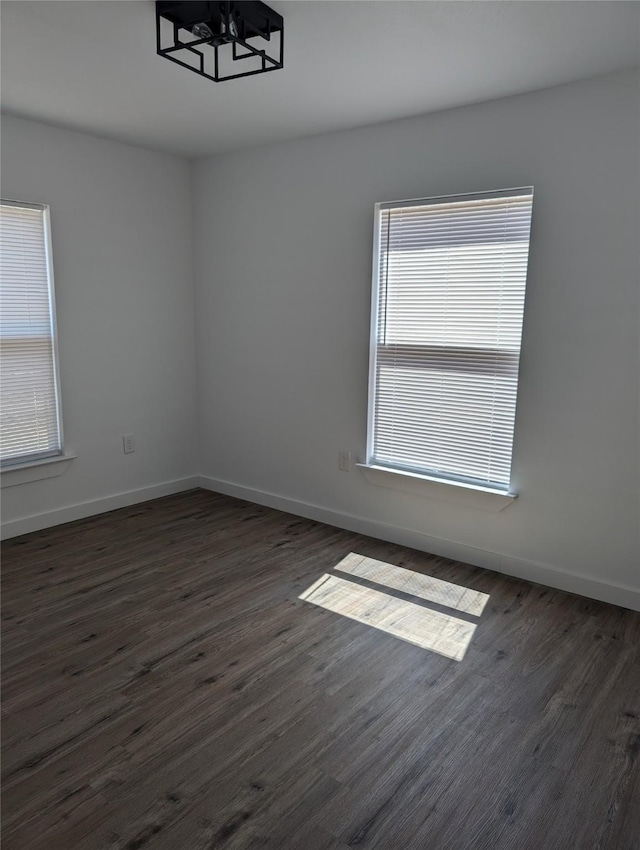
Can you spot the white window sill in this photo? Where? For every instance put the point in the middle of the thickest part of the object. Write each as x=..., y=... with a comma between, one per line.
x=470, y=495
x=35, y=470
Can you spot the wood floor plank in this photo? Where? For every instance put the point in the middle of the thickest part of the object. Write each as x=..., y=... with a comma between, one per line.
x=165, y=688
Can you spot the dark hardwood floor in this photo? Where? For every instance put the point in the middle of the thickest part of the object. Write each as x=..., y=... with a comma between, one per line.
x=165, y=688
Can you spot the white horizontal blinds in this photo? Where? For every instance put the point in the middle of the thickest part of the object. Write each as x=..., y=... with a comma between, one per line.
x=451, y=279
x=29, y=411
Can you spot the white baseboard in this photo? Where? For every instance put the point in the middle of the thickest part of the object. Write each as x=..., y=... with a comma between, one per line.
x=15, y=527
x=615, y=594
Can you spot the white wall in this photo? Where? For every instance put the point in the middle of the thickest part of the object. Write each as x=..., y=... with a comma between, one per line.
x=122, y=254
x=283, y=271
x=283, y=256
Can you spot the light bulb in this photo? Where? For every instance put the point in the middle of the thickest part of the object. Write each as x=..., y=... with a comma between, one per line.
x=201, y=31
x=230, y=33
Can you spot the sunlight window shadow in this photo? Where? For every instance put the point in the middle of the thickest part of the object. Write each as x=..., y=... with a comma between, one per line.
x=441, y=633
x=416, y=584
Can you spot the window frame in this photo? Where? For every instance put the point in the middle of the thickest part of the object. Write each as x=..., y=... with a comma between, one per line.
x=409, y=478
x=43, y=457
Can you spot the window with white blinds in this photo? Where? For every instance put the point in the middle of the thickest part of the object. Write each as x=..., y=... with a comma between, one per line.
x=448, y=302
x=29, y=420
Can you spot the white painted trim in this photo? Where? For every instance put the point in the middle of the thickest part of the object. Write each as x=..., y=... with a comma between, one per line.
x=15, y=527
x=615, y=594
x=36, y=470
x=373, y=330
x=429, y=487
x=54, y=322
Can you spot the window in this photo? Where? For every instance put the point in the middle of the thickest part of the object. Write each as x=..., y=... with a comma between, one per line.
x=448, y=301
x=30, y=420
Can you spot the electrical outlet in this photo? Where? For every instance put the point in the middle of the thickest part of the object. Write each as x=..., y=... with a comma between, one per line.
x=128, y=443
x=344, y=461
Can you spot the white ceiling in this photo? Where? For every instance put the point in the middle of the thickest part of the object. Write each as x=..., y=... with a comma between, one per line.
x=91, y=65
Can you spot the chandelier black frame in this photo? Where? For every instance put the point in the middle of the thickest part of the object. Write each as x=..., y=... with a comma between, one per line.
x=220, y=25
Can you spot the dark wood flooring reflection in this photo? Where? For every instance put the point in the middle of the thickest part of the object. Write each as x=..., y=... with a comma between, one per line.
x=163, y=687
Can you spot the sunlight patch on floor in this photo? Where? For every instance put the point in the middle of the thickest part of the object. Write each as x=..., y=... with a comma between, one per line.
x=432, y=630
x=417, y=584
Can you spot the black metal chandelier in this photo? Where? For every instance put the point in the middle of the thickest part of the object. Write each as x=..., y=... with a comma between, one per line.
x=220, y=40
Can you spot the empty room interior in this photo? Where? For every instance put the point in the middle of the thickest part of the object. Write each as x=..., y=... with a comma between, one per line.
x=320, y=425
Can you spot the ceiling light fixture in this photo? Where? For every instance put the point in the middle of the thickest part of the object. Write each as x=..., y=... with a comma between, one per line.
x=210, y=37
